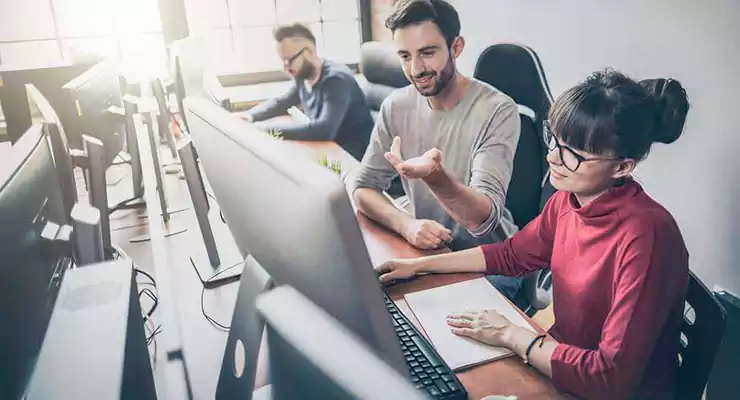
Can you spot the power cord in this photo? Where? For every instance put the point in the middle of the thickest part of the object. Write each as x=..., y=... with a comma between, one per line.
x=153, y=297
x=208, y=318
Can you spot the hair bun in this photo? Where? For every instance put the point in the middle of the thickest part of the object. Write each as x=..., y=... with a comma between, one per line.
x=671, y=107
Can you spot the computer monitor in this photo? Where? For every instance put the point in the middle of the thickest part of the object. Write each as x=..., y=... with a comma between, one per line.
x=294, y=216
x=59, y=147
x=93, y=94
x=219, y=265
x=180, y=91
x=313, y=356
x=164, y=117
x=49, y=80
x=35, y=255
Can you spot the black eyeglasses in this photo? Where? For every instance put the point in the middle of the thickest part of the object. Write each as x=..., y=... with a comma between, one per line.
x=289, y=61
x=571, y=160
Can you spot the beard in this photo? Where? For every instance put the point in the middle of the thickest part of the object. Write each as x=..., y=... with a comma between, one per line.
x=443, y=79
x=307, y=71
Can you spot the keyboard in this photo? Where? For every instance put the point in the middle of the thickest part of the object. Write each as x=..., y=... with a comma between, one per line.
x=427, y=370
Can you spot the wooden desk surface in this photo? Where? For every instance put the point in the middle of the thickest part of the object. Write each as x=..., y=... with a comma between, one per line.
x=204, y=345
x=509, y=376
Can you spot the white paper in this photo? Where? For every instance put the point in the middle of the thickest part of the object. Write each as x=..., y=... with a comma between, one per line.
x=432, y=306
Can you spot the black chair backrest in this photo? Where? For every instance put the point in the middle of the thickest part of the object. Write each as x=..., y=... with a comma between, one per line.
x=701, y=334
x=380, y=65
x=516, y=70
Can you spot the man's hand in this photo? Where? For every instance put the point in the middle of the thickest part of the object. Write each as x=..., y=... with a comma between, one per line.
x=487, y=327
x=394, y=270
x=417, y=167
x=425, y=234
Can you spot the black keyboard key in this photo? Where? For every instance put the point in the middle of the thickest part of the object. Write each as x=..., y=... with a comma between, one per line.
x=414, y=379
x=418, y=370
x=426, y=382
x=406, y=327
x=453, y=386
x=419, y=386
x=413, y=364
x=429, y=371
x=434, y=376
x=442, y=386
x=402, y=334
x=440, y=370
x=425, y=365
x=424, y=376
x=434, y=391
x=446, y=378
x=424, y=348
x=416, y=353
x=409, y=359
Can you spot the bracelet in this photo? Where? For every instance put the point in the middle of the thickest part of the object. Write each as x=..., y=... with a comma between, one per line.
x=531, y=344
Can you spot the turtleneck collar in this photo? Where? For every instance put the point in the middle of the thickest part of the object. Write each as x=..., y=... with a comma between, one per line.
x=604, y=206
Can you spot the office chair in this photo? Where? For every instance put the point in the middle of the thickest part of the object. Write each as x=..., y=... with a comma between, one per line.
x=703, y=327
x=516, y=70
x=382, y=74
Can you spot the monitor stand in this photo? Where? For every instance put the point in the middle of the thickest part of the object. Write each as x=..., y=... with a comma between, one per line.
x=212, y=268
x=241, y=356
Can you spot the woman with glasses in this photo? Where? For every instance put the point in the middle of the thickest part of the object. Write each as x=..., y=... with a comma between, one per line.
x=618, y=260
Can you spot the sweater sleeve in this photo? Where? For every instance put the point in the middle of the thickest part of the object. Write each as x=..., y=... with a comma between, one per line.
x=651, y=275
x=529, y=249
x=275, y=107
x=335, y=99
x=492, y=163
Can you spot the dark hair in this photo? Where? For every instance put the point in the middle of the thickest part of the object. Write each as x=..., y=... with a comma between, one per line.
x=611, y=114
x=412, y=12
x=293, y=30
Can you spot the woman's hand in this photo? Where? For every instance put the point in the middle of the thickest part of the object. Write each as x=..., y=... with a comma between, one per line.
x=394, y=270
x=487, y=327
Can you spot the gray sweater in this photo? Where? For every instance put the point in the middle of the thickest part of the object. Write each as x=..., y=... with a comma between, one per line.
x=478, y=138
x=335, y=105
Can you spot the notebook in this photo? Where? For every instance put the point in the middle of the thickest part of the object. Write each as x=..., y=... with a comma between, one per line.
x=432, y=306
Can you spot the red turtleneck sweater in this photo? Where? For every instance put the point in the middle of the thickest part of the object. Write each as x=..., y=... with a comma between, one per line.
x=620, y=272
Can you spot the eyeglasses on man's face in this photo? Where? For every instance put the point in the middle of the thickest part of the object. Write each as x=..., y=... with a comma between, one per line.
x=287, y=62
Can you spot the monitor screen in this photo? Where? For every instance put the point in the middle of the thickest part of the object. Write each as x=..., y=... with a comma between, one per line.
x=93, y=93
x=34, y=258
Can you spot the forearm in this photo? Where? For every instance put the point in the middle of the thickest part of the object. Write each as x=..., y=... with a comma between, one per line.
x=470, y=260
x=465, y=205
x=274, y=107
x=378, y=208
x=268, y=109
x=517, y=339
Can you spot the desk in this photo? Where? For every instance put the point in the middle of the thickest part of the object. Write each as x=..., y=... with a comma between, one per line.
x=204, y=345
x=509, y=376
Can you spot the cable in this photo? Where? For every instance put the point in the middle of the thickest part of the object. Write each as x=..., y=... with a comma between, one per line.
x=156, y=332
x=152, y=296
x=146, y=274
x=208, y=318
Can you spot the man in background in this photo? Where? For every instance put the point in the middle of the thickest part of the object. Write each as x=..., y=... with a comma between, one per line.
x=328, y=92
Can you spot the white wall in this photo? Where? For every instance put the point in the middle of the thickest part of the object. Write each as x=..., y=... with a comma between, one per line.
x=697, y=42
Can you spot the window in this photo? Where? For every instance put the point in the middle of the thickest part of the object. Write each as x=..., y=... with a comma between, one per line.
x=35, y=33
x=241, y=30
